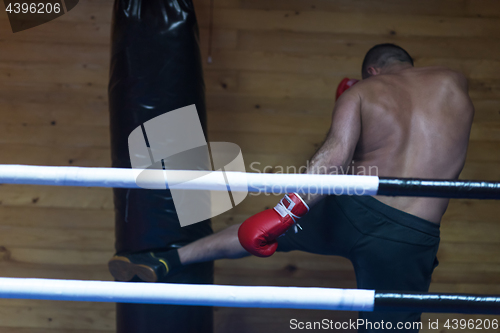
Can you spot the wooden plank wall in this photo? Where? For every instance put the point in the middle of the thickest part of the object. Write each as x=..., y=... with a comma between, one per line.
x=276, y=64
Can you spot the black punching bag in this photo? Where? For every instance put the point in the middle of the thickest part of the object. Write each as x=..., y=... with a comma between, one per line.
x=155, y=68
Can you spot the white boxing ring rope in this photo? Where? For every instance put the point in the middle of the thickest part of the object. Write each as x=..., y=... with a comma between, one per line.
x=251, y=182
x=245, y=296
x=186, y=179
x=188, y=294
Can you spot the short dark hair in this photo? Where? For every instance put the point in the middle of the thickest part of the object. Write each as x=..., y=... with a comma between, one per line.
x=383, y=54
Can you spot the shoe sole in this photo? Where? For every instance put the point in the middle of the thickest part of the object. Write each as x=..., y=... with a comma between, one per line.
x=123, y=269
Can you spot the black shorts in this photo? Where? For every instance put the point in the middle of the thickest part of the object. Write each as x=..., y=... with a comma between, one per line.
x=389, y=249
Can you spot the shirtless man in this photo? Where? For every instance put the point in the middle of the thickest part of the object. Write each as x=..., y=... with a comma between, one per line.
x=409, y=123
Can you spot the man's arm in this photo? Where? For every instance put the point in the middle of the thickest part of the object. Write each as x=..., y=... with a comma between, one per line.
x=258, y=234
x=338, y=149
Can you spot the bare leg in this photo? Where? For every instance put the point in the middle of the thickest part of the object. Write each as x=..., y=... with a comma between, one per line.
x=154, y=266
x=221, y=245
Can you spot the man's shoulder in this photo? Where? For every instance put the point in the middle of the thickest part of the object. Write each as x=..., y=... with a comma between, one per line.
x=374, y=86
x=444, y=73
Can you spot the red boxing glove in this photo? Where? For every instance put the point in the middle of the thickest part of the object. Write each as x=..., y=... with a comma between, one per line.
x=344, y=85
x=258, y=233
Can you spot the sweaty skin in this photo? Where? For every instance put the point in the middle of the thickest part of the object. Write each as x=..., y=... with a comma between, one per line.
x=408, y=123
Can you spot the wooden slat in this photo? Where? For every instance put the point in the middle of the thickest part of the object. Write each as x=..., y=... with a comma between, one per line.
x=60, y=218
x=358, y=44
x=81, y=256
x=221, y=39
x=446, y=269
x=472, y=69
x=371, y=24
x=425, y=7
x=56, y=196
x=42, y=112
x=61, y=31
x=284, y=85
x=288, y=276
x=326, y=65
x=483, y=210
x=465, y=273
x=469, y=253
x=56, y=304
x=47, y=52
x=57, y=318
x=483, y=8
x=465, y=288
x=249, y=277
x=203, y=6
x=485, y=132
x=54, y=307
x=52, y=238
x=486, y=110
x=57, y=156
x=484, y=89
x=45, y=113
x=278, y=85
x=478, y=151
x=289, y=262
x=48, y=330
x=65, y=93
x=481, y=170
x=56, y=135
x=262, y=105
x=246, y=122
x=76, y=75
x=71, y=272
x=474, y=231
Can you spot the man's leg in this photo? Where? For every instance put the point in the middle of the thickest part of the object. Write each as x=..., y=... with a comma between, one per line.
x=221, y=245
x=387, y=265
x=153, y=266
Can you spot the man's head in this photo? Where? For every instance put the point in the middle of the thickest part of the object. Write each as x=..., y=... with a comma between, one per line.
x=382, y=56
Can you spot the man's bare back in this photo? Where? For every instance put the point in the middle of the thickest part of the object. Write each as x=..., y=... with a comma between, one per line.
x=415, y=124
